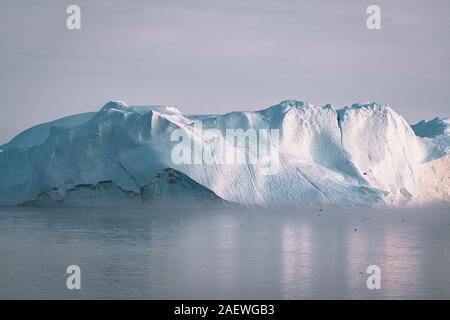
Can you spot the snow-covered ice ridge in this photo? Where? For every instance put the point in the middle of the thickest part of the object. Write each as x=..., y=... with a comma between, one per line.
x=361, y=154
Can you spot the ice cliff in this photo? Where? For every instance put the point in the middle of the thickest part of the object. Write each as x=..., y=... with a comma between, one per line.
x=360, y=154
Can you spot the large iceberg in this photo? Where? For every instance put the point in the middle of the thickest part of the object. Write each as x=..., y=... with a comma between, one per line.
x=364, y=154
x=435, y=135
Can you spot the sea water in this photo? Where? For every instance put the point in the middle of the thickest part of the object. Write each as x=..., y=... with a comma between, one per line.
x=282, y=253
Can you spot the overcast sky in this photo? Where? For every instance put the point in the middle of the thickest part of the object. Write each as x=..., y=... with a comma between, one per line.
x=219, y=56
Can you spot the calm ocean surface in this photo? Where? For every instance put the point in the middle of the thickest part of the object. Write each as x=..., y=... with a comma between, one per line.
x=224, y=254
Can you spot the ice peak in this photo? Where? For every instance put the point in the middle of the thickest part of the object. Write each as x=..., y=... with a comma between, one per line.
x=123, y=107
x=114, y=105
x=160, y=109
x=432, y=128
x=292, y=104
x=284, y=106
x=367, y=105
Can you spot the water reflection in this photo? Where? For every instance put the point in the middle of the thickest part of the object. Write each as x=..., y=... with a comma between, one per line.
x=358, y=258
x=296, y=259
x=223, y=254
x=401, y=263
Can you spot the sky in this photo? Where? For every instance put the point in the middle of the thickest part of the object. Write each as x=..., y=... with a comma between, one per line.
x=215, y=56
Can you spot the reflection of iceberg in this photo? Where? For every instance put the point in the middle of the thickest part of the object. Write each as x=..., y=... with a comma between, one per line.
x=362, y=154
x=297, y=256
x=401, y=264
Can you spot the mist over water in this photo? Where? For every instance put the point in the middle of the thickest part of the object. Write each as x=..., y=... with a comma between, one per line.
x=224, y=254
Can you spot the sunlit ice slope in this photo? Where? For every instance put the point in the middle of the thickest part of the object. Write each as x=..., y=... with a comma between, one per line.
x=364, y=154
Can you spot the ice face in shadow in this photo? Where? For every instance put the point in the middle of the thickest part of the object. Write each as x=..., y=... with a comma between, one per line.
x=169, y=188
x=432, y=128
x=435, y=136
x=361, y=154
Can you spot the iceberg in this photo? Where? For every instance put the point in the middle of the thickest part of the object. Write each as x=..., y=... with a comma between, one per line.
x=363, y=154
x=435, y=136
x=169, y=188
